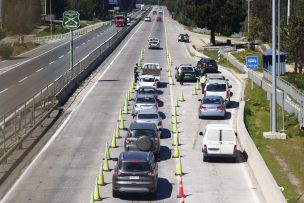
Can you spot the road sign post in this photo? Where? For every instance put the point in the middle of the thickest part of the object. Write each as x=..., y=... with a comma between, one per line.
x=251, y=63
x=219, y=55
x=71, y=21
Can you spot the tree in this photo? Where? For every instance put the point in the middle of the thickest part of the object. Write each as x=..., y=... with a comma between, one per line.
x=293, y=41
x=254, y=31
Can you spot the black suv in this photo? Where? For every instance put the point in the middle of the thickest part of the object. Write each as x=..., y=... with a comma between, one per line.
x=143, y=137
x=135, y=172
x=183, y=38
x=207, y=65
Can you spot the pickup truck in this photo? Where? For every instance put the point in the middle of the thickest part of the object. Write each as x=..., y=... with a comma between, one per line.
x=152, y=69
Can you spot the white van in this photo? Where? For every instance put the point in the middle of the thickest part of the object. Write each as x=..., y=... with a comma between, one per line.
x=219, y=140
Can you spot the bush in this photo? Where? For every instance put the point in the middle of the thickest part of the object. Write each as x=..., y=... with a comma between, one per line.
x=6, y=50
x=2, y=34
x=296, y=79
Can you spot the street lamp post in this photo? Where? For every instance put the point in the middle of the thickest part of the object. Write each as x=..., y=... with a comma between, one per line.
x=248, y=19
x=274, y=97
x=288, y=11
x=51, y=26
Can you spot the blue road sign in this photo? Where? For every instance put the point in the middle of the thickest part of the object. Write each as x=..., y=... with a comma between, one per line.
x=252, y=61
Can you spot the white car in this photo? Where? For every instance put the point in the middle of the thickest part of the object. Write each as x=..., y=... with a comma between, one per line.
x=218, y=88
x=219, y=140
x=152, y=69
x=148, y=19
x=153, y=43
x=146, y=80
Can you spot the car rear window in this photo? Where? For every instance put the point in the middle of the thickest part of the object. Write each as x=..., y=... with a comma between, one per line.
x=216, y=87
x=141, y=132
x=146, y=90
x=147, y=116
x=186, y=68
x=135, y=166
x=147, y=79
x=227, y=135
x=212, y=101
x=213, y=135
x=145, y=100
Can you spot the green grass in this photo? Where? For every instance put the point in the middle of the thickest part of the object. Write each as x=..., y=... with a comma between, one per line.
x=295, y=79
x=20, y=48
x=291, y=151
x=241, y=56
x=223, y=62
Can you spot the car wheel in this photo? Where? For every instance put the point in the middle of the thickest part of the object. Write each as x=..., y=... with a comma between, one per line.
x=153, y=194
x=205, y=159
x=200, y=117
x=115, y=194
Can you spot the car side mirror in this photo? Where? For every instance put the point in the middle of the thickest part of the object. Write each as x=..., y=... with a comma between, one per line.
x=227, y=79
x=201, y=133
x=161, y=68
x=199, y=100
x=230, y=86
x=175, y=68
x=236, y=134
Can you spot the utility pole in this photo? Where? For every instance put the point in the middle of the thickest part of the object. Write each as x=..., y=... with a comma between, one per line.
x=288, y=11
x=279, y=38
x=248, y=20
x=51, y=26
x=274, y=97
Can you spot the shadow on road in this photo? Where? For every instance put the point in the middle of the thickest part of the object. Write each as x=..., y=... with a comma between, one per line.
x=165, y=134
x=164, y=154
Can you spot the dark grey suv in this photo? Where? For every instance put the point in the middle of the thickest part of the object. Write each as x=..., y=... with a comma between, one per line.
x=207, y=65
x=143, y=137
x=135, y=172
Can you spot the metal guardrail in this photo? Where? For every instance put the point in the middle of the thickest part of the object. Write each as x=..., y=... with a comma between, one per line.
x=78, y=32
x=17, y=125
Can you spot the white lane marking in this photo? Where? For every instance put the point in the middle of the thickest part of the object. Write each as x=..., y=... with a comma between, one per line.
x=46, y=146
x=39, y=70
x=3, y=90
x=52, y=62
x=23, y=79
x=249, y=183
x=61, y=56
x=89, y=40
x=77, y=47
x=83, y=43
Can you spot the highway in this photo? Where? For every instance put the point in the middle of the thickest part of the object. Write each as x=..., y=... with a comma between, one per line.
x=31, y=72
x=67, y=167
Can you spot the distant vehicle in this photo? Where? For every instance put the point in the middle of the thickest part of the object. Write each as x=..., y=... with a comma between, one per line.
x=154, y=12
x=188, y=70
x=142, y=7
x=144, y=102
x=160, y=11
x=147, y=90
x=183, y=38
x=146, y=80
x=158, y=18
x=120, y=21
x=207, y=65
x=218, y=88
x=153, y=43
x=212, y=106
x=148, y=19
x=143, y=137
x=219, y=140
x=135, y=172
x=149, y=116
x=152, y=69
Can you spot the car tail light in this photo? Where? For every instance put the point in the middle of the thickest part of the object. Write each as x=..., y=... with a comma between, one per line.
x=235, y=148
x=159, y=123
x=227, y=94
x=220, y=107
x=116, y=173
x=151, y=174
x=205, y=147
x=128, y=140
x=202, y=107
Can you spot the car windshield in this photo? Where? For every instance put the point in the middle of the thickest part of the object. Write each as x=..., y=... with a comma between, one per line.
x=212, y=101
x=186, y=68
x=134, y=166
x=216, y=87
x=147, y=116
x=147, y=79
x=142, y=132
x=146, y=91
x=210, y=61
x=150, y=66
x=145, y=100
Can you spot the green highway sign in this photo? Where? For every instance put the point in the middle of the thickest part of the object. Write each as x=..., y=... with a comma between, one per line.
x=71, y=19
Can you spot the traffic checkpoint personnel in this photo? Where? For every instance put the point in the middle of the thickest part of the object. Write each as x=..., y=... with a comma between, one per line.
x=203, y=79
x=136, y=72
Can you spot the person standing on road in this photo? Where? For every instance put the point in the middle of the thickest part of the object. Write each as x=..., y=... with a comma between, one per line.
x=203, y=82
x=136, y=72
x=181, y=79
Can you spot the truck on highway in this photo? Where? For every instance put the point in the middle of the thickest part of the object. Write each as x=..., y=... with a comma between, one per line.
x=120, y=21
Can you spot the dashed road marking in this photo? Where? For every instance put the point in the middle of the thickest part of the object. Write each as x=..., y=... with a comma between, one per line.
x=4, y=90
x=83, y=43
x=61, y=56
x=52, y=62
x=39, y=70
x=77, y=47
x=23, y=79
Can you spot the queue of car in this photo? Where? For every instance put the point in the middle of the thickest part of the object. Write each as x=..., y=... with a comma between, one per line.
x=136, y=170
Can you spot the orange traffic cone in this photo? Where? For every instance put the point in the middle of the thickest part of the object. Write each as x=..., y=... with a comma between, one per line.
x=180, y=193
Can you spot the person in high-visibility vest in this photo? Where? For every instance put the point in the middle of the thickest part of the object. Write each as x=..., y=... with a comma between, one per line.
x=203, y=79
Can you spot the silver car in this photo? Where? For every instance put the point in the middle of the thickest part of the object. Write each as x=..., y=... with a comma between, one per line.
x=149, y=116
x=212, y=106
x=144, y=102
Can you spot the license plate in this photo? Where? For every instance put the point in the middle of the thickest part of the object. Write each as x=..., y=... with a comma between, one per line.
x=134, y=177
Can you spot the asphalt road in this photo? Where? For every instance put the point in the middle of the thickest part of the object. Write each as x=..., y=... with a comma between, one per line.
x=67, y=167
x=31, y=72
